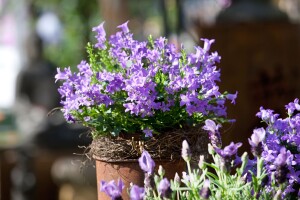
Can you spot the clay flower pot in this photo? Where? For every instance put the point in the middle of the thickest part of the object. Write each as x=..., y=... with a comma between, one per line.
x=129, y=172
x=121, y=161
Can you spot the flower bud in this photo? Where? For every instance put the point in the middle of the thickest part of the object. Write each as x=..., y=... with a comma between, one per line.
x=213, y=132
x=201, y=162
x=261, y=163
x=185, y=176
x=256, y=140
x=281, y=166
x=146, y=163
x=205, y=191
x=177, y=179
x=185, y=151
x=244, y=160
x=244, y=178
x=244, y=157
x=161, y=171
x=210, y=149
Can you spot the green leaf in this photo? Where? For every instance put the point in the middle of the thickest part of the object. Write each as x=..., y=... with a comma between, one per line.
x=116, y=131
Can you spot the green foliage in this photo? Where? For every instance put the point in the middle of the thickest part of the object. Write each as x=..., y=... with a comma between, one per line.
x=222, y=184
x=77, y=18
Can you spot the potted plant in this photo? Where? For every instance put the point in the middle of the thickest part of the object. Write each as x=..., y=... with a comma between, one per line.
x=142, y=95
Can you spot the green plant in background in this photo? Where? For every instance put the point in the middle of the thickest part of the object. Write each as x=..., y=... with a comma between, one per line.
x=77, y=17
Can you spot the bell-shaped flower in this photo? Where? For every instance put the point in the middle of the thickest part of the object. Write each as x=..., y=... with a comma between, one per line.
x=124, y=27
x=101, y=36
x=232, y=97
x=146, y=163
x=229, y=151
x=137, y=193
x=213, y=132
x=164, y=188
x=227, y=155
x=211, y=126
x=113, y=190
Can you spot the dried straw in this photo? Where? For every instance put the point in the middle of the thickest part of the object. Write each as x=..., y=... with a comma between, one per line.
x=166, y=146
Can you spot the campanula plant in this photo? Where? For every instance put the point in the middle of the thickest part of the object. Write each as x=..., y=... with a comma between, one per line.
x=145, y=87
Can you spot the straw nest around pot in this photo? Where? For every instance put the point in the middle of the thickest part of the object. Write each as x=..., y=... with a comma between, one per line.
x=165, y=146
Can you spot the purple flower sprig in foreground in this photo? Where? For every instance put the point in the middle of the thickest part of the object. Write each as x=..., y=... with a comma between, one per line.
x=281, y=152
x=272, y=174
x=147, y=164
x=145, y=87
x=113, y=190
x=137, y=193
x=256, y=141
x=228, y=156
x=213, y=132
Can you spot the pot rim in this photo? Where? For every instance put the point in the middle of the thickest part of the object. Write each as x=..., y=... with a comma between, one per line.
x=130, y=160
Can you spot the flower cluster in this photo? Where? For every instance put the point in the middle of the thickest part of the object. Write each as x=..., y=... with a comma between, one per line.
x=281, y=148
x=142, y=86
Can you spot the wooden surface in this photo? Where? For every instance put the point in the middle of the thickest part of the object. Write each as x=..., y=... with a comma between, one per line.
x=260, y=61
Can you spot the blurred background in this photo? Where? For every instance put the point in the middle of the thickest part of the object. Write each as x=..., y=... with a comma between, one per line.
x=41, y=156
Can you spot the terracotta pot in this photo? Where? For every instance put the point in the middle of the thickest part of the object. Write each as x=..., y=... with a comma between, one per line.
x=130, y=172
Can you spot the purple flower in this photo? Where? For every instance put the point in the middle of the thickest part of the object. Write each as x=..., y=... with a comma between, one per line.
x=232, y=97
x=185, y=100
x=205, y=191
x=137, y=193
x=267, y=115
x=146, y=163
x=87, y=118
x=114, y=191
x=66, y=74
x=101, y=34
x=148, y=132
x=211, y=126
x=227, y=155
x=292, y=106
x=85, y=69
x=281, y=145
x=207, y=44
x=281, y=166
x=160, y=42
x=229, y=151
x=213, y=132
x=164, y=188
x=124, y=27
x=256, y=140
